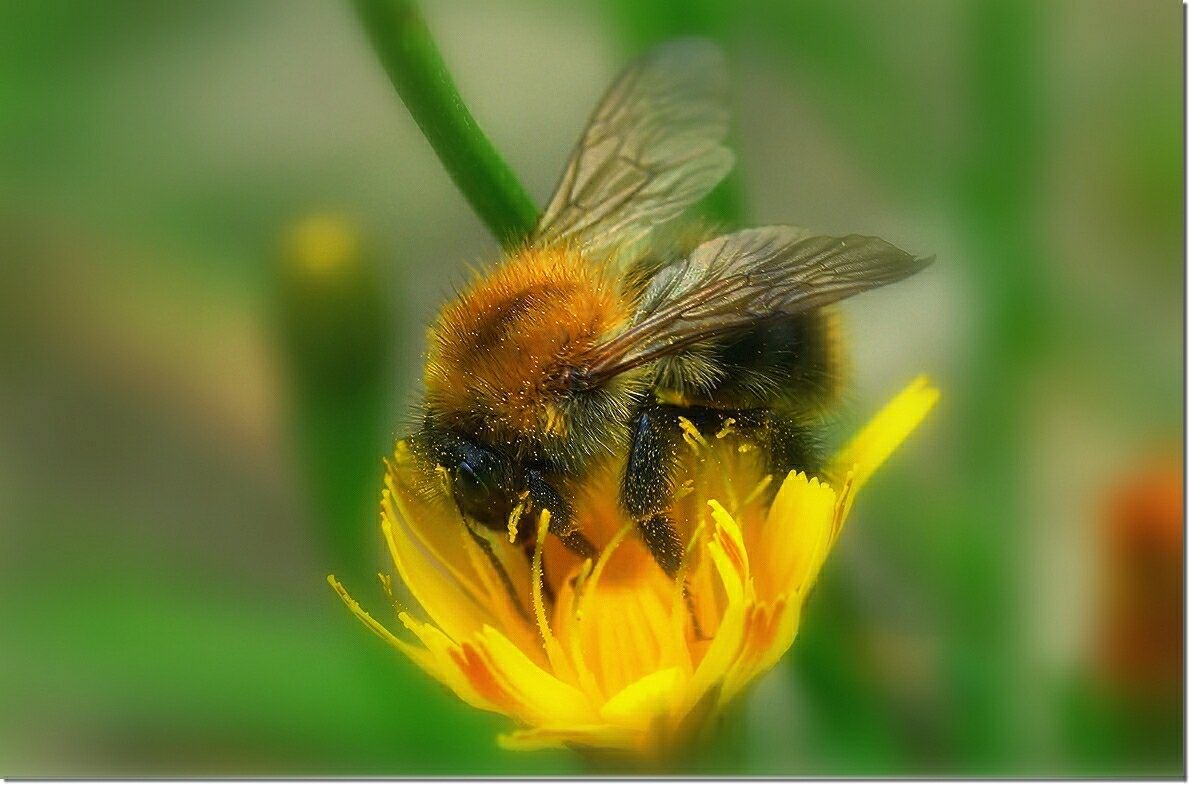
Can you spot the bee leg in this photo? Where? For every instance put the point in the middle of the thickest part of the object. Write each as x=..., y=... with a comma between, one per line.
x=576, y=541
x=648, y=483
x=505, y=579
x=663, y=541
x=545, y=497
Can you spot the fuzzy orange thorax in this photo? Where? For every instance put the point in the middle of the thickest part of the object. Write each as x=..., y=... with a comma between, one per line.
x=499, y=352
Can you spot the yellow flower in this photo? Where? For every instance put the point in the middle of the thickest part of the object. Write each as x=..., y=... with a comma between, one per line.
x=611, y=654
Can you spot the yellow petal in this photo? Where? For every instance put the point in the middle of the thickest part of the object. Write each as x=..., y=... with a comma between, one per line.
x=544, y=699
x=431, y=519
x=770, y=634
x=627, y=630
x=788, y=549
x=447, y=603
x=412, y=652
x=872, y=445
x=869, y=449
x=566, y=628
x=594, y=736
x=447, y=661
x=641, y=702
x=727, y=553
x=594, y=651
x=434, y=658
x=510, y=615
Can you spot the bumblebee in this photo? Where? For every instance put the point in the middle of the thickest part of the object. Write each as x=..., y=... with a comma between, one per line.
x=608, y=331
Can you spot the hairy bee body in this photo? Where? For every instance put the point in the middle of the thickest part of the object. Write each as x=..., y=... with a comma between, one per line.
x=500, y=355
x=601, y=339
x=501, y=396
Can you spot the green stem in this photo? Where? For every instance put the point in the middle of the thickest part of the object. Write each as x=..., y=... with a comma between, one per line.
x=996, y=198
x=406, y=49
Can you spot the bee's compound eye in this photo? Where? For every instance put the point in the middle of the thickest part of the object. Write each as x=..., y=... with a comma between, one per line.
x=478, y=495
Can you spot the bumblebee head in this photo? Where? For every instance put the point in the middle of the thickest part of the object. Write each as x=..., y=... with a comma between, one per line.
x=479, y=479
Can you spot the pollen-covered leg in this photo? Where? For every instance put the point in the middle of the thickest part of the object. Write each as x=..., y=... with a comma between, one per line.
x=505, y=579
x=576, y=541
x=663, y=541
x=544, y=496
x=648, y=483
x=649, y=471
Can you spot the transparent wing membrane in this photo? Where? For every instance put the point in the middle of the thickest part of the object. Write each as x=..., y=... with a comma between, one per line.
x=740, y=279
x=653, y=147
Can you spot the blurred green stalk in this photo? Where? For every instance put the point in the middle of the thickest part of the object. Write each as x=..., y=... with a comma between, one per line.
x=401, y=39
x=336, y=331
x=996, y=195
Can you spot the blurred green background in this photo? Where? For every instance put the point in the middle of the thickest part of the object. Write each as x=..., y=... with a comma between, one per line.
x=193, y=416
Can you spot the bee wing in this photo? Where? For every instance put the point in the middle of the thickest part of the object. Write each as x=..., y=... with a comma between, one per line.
x=737, y=280
x=652, y=148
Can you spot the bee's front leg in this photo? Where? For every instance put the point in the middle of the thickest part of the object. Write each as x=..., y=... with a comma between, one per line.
x=543, y=495
x=498, y=567
x=648, y=486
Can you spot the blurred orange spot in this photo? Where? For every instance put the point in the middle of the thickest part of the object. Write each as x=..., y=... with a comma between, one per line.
x=1141, y=633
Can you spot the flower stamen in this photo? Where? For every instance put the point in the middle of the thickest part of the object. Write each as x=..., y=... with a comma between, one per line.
x=589, y=585
x=538, y=574
x=514, y=519
x=691, y=433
